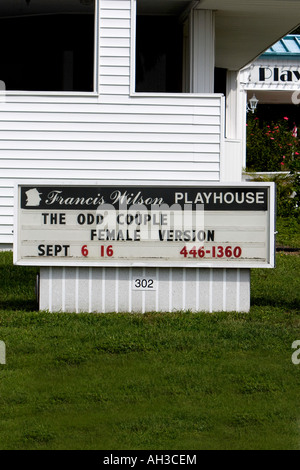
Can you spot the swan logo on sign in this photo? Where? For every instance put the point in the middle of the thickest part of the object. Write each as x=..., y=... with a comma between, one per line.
x=33, y=198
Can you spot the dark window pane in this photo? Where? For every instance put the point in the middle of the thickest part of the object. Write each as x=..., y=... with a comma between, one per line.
x=159, y=54
x=47, y=53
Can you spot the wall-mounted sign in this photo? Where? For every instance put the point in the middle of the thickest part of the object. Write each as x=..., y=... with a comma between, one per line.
x=278, y=74
x=283, y=77
x=214, y=225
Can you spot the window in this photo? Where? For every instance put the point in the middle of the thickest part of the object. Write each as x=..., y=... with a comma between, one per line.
x=158, y=54
x=47, y=46
x=161, y=46
x=175, y=44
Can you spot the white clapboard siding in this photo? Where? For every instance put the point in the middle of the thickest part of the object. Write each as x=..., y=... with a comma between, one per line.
x=6, y=193
x=55, y=121
x=115, y=42
x=203, y=105
x=5, y=209
x=114, y=52
x=6, y=215
x=111, y=135
x=76, y=146
x=126, y=137
x=107, y=61
x=31, y=156
x=6, y=223
x=91, y=174
x=114, y=166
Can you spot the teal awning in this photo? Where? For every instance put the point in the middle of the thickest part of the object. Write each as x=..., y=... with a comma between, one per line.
x=287, y=47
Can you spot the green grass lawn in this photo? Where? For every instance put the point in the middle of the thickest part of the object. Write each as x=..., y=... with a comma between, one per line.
x=288, y=232
x=156, y=381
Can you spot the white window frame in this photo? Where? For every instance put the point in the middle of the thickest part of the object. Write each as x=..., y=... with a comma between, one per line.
x=133, y=48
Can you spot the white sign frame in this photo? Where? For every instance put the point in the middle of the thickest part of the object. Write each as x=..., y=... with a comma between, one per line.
x=184, y=263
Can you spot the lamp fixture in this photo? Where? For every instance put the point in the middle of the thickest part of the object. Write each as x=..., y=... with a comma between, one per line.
x=252, y=105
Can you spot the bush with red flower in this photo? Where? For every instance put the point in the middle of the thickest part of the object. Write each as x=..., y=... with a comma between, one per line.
x=275, y=147
x=271, y=147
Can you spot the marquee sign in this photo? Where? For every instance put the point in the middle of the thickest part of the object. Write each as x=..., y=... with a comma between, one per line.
x=215, y=225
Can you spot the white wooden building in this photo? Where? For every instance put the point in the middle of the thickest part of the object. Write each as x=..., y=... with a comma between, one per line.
x=126, y=90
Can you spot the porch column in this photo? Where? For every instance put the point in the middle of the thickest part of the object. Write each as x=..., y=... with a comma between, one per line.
x=234, y=157
x=202, y=38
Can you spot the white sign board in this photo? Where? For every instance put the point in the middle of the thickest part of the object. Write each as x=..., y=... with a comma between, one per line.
x=215, y=225
x=266, y=76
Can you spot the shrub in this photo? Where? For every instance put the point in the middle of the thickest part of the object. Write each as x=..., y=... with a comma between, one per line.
x=271, y=147
x=274, y=148
x=287, y=200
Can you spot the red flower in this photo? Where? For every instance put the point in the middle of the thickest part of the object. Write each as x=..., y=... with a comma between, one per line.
x=286, y=118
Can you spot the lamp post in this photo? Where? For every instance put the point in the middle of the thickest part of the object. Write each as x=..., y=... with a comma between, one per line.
x=252, y=104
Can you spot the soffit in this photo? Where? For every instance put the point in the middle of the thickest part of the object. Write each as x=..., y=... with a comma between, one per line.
x=244, y=29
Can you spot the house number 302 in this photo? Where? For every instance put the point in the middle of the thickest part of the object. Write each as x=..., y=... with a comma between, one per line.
x=143, y=283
